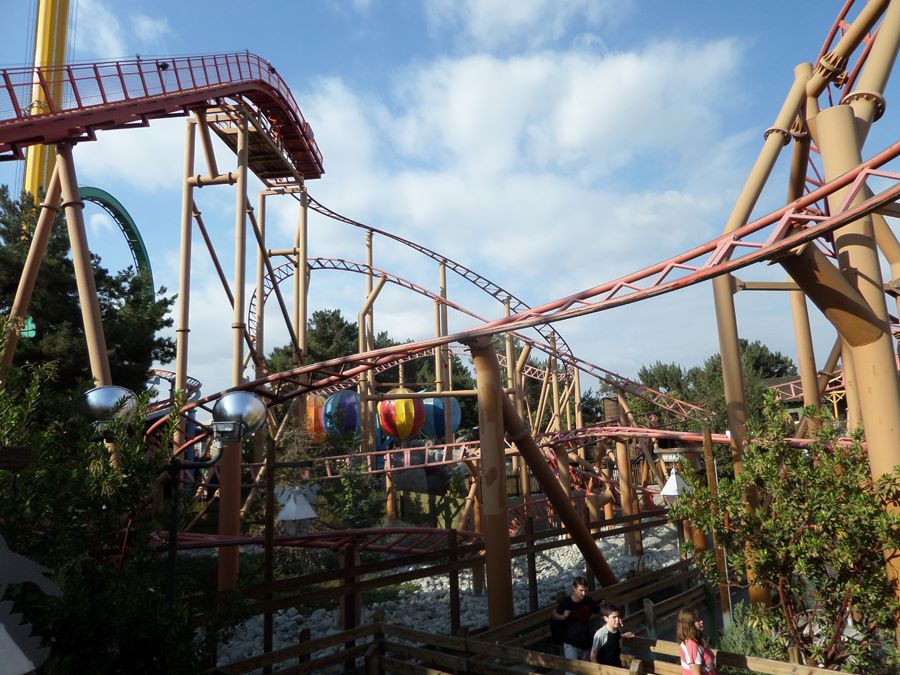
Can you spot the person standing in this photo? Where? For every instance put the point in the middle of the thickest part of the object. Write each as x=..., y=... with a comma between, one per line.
x=697, y=658
x=576, y=610
x=606, y=649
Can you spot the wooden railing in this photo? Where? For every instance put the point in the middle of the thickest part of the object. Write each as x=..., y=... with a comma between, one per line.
x=385, y=648
x=351, y=580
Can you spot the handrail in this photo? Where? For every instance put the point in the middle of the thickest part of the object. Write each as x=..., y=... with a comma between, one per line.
x=117, y=94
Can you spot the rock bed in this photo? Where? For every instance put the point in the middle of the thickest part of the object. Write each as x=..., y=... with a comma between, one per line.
x=428, y=607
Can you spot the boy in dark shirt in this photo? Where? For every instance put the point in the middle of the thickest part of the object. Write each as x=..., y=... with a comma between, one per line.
x=607, y=645
x=576, y=610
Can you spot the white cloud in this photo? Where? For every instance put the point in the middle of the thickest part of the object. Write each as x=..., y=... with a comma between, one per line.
x=150, y=158
x=568, y=111
x=150, y=32
x=98, y=33
x=100, y=223
x=498, y=23
x=525, y=164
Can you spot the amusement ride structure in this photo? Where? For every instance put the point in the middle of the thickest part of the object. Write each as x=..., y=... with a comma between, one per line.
x=830, y=237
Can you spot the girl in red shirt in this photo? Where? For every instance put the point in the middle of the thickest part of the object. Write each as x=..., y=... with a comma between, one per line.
x=697, y=658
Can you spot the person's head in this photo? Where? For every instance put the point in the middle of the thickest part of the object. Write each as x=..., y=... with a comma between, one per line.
x=689, y=625
x=612, y=616
x=579, y=589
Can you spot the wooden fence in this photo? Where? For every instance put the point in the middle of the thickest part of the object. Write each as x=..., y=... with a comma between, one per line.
x=384, y=648
x=347, y=583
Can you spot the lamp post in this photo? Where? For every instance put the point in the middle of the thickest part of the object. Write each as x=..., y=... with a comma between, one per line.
x=674, y=488
x=107, y=403
x=236, y=415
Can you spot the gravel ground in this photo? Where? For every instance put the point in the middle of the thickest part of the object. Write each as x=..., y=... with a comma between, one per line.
x=427, y=607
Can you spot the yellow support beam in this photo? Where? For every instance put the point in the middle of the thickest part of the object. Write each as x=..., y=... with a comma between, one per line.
x=50, y=31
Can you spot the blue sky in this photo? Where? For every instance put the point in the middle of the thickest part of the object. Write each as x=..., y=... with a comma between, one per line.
x=549, y=145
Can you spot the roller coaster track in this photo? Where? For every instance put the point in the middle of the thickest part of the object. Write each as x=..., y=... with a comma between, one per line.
x=128, y=93
x=126, y=225
x=452, y=454
x=486, y=285
x=793, y=389
x=766, y=238
x=285, y=271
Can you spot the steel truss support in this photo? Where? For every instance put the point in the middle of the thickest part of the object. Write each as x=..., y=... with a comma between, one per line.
x=84, y=271
x=230, y=467
x=494, y=509
x=19, y=310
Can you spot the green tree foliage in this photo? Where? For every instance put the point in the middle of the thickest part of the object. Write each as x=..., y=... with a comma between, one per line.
x=592, y=409
x=88, y=522
x=703, y=385
x=131, y=316
x=817, y=541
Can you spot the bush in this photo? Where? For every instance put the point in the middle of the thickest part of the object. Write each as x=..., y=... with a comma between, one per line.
x=817, y=541
x=90, y=523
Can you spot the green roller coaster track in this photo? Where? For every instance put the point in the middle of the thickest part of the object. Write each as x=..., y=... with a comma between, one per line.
x=126, y=224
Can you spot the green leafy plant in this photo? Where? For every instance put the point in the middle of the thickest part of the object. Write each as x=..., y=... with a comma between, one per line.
x=91, y=524
x=817, y=539
x=752, y=631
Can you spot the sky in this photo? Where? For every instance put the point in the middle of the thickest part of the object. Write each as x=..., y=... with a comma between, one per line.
x=550, y=145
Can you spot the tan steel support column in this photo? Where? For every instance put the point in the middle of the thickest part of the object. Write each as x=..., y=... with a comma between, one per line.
x=259, y=340
x=873, y=362
x=867, y=98
x=510, y=360
x=518, y=462
x=822, y=380
x=542, y=400
x=712, y=482
x=890, y=248
x=835, y=61
x=362, y=345
x=626, y=494
x=524, y=480
x=806, y=359
x=581, y=536
x=494, y=518
x=562, y=470
x=81, y=260
x=370, y=337
x=206, y=143
x=301, y=296
x=230, y=465
x=301, y=275
x=37, y=248
x=723, y=289
x=556, y=422
x=182, y=323
x=633, y=543
x=732, y=373
x=805, y=354
x=579, y=412
x=444, y=351
x=438, y=362
x=851, y=389
x=606, y=459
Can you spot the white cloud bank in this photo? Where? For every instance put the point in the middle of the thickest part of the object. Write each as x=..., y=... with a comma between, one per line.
x=534, y=23
x=101, y=34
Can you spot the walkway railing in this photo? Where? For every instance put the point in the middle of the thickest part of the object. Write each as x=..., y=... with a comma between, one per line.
x=73, y=101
